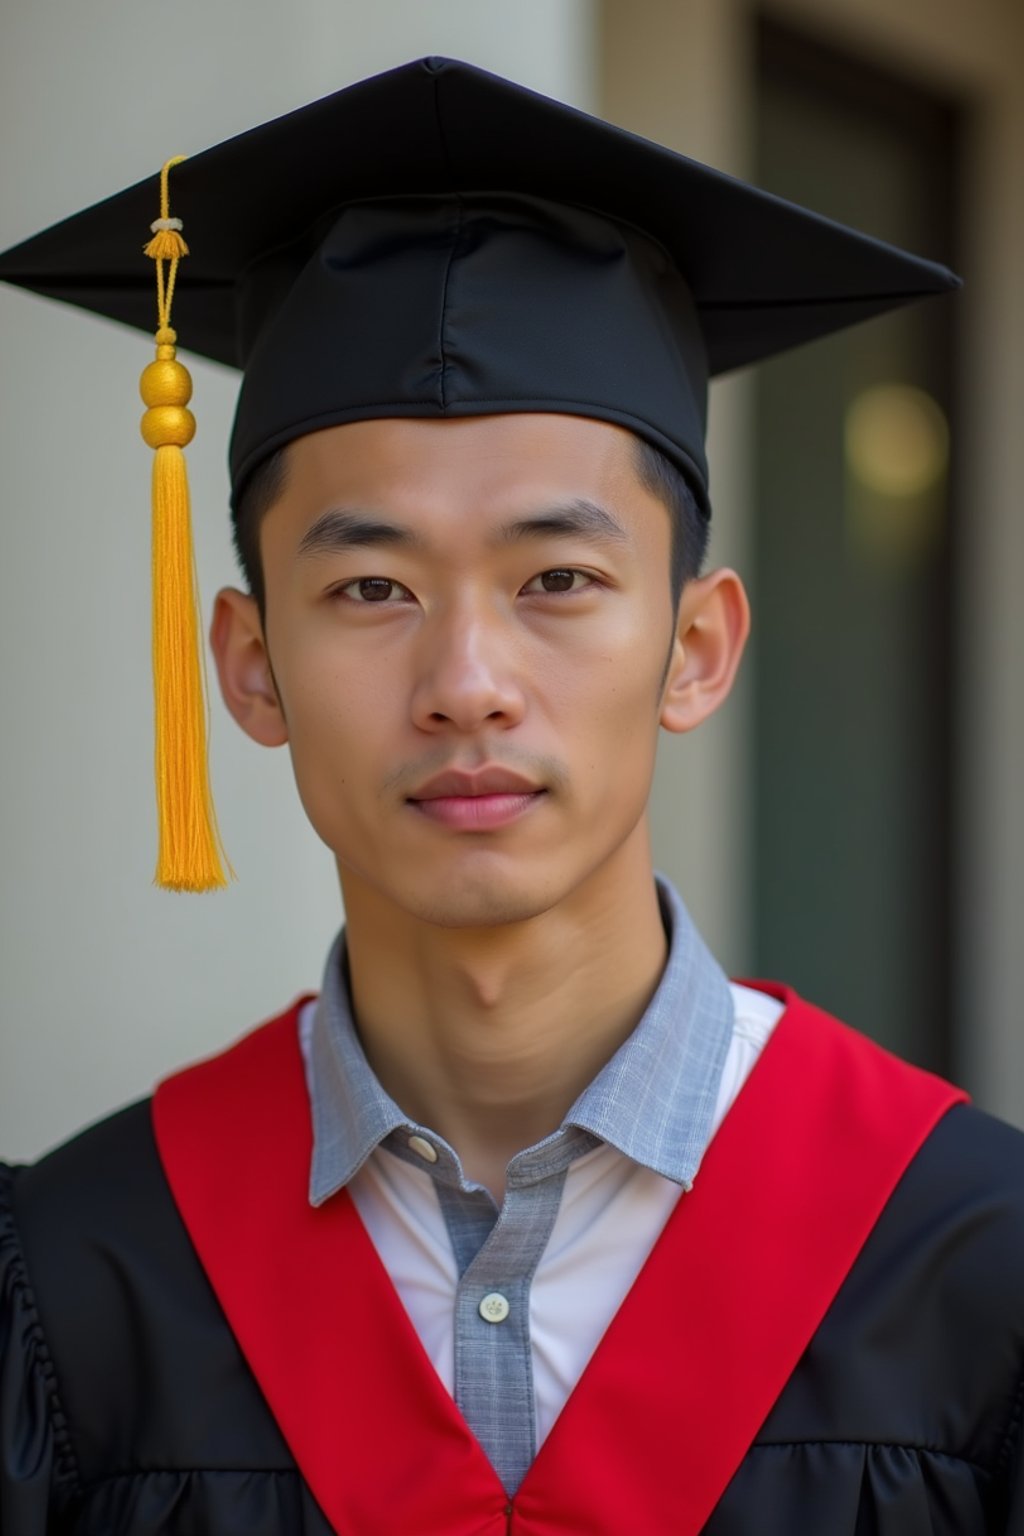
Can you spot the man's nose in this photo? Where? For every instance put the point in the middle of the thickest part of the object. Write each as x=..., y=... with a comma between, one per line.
x=468, y=674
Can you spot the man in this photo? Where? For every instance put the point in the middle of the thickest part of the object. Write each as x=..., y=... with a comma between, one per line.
x=531, y=1221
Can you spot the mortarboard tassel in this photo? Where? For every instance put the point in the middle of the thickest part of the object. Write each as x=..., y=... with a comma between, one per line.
x=190, y=849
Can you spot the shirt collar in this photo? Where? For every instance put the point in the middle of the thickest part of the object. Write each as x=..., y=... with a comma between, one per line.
x=653, y=1100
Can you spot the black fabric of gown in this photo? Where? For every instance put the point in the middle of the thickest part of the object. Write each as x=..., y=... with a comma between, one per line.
x=126, y=1408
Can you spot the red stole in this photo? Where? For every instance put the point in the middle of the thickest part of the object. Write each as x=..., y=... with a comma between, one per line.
x=693, y=1361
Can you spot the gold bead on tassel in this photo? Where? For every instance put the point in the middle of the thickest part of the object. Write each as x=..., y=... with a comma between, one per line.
x=190, y=851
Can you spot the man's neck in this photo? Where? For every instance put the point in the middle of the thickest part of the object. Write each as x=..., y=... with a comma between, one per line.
x=489, y=1035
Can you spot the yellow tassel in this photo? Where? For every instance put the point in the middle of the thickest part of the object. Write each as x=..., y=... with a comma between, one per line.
x=166, y=245
x=190, y=850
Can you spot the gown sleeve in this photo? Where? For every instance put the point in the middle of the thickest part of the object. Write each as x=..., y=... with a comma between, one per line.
x=1013, y=1456
x=35, y=1455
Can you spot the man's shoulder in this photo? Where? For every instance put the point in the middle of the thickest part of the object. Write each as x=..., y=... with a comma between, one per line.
x=104, y=1178
x=921, y=1350
x=970, y=1158
x=966, y=1141
x=966, y=1176
x=94, y=1243
x=974, y=1156
x=946, y=1256
x=984, y=1142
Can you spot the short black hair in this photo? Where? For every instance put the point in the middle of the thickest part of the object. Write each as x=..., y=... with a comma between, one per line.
x=657, y=474
x=252, y=503
x=663, y=478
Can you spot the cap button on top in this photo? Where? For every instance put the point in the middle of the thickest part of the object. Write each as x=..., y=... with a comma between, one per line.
x=421, y=1146
x=494, y=1308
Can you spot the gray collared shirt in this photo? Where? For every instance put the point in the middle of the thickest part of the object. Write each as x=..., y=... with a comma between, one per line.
x=653, y=1101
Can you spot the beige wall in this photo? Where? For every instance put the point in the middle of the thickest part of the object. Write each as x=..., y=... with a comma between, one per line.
x=682, y=70
x=105, y=983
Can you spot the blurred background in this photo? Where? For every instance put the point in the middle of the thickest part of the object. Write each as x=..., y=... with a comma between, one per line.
x=852, y=822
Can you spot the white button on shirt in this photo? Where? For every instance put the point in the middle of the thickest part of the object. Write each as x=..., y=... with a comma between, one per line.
x=611, y=1213
x=494, y=1308
x=421, y=1146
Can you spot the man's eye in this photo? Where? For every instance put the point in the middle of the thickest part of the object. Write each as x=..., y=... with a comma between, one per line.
x=560, y=580
x=372, y=589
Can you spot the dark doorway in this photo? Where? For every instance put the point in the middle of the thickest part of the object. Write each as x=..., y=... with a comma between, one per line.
x=852, y=583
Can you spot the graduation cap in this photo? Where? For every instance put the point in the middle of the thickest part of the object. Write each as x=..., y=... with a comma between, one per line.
x=432, y=242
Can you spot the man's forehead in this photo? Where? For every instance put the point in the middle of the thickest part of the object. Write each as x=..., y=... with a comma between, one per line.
x=499, y=441
x=503, y=465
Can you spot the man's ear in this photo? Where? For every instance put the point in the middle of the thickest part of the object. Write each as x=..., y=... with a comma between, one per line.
x=711, y=632
x=243, y=667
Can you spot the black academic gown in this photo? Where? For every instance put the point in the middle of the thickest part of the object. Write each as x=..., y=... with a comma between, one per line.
x=126, y=1408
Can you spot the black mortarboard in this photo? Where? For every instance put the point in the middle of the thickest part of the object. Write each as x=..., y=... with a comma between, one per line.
x=437, y=241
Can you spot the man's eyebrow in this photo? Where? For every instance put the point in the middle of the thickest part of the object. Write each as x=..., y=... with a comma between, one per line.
x=578, y=518
x=343, y=528
x=340, y=529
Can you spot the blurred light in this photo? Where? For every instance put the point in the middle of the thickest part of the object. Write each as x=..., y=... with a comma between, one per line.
x=896, y=440
x=897, y=453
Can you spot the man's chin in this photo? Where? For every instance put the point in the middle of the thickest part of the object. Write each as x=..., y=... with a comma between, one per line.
x=495, y=905
x=494, y=894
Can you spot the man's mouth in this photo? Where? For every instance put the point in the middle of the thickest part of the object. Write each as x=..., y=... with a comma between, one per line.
x=477, y=800
x=477, y=813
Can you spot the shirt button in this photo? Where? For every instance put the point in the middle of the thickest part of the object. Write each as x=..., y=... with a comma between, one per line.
x=494, y=1308
x=421, y=1145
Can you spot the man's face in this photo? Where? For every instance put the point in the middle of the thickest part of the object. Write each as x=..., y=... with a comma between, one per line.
x=486, y=597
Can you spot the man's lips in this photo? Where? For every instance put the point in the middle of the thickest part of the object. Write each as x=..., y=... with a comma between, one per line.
x=477, y=813
x=489, y=780
x=478, y=801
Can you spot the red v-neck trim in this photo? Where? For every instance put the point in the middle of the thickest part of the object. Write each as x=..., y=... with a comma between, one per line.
x=689, y=1367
